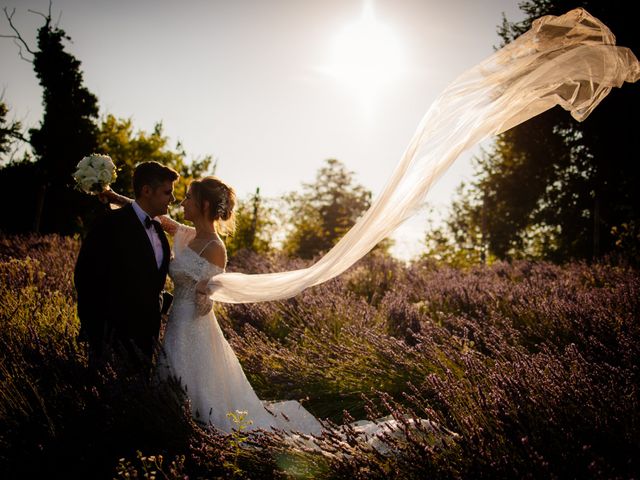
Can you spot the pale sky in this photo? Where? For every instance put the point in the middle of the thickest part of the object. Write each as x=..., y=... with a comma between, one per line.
x=271, y=88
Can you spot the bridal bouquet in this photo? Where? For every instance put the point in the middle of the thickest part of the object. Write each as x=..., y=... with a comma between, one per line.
x=94, y=173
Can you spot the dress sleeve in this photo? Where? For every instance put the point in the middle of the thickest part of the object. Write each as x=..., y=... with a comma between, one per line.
x=182, y=234
x=169, y=225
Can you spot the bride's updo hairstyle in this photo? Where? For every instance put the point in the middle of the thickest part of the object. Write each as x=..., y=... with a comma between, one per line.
x=222, y=201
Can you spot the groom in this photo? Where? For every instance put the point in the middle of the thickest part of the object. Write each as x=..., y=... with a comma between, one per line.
x=121, y=271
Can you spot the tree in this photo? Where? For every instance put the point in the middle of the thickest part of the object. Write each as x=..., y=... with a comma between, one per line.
x=67, y=132
x=116, y=138
x=459, y=241
x=592, y=173
x=554, y=188
x=325, y=210
x=255, y=226
x=10, y=131
x=14, y=176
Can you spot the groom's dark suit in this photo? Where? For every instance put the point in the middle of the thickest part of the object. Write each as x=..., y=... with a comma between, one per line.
x=119, y=284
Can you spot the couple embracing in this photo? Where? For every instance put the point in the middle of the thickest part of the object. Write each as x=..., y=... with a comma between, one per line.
x=120, y=276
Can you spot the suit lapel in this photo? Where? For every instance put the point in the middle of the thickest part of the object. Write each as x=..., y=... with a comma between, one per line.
x=166, y=251
x=141, y=237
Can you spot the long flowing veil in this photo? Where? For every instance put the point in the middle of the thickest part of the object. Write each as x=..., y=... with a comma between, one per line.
x=570, y=60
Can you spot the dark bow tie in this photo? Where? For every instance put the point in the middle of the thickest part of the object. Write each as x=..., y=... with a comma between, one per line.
x=151, y=223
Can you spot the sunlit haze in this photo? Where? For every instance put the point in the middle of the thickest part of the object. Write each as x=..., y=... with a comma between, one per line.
x=366, y=56
x=271, y=89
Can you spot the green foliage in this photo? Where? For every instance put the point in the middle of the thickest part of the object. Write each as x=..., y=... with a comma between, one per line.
x=238, y=439
x=255, y=226
x=10, y=131
x=325, y=210
x=627, y=241
x=458, y=242
x=151, y=467
x=127, y=148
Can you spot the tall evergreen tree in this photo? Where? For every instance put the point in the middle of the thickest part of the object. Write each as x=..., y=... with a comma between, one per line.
x=67, y=132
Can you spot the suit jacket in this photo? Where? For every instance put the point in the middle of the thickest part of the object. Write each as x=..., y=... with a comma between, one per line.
x=118, y=282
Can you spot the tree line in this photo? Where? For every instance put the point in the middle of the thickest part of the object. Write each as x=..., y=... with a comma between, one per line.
x=550, y=188
x=553, y=188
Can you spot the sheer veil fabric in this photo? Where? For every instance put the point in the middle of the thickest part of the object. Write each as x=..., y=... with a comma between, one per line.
x=570, y=60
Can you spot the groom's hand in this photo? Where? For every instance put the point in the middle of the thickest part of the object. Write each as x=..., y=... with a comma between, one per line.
x=203, y=287
x=203, y=304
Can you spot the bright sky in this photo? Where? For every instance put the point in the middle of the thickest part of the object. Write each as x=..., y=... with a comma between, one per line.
x=271, y=88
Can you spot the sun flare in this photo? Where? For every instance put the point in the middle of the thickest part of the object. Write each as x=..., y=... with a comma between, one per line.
x=366, y=56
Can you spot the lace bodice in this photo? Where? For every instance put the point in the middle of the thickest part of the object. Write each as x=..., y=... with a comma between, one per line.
x=186, y=269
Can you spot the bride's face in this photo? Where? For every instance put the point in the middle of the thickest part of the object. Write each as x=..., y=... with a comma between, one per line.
x=189, y=206
x=192, y=210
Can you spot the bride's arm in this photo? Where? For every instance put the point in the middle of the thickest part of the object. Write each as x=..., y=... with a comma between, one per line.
x=169, y=225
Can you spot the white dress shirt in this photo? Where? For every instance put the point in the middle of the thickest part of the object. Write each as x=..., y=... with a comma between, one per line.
x=154, y=238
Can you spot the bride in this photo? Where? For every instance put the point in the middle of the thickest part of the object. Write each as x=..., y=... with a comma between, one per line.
x=195, y=350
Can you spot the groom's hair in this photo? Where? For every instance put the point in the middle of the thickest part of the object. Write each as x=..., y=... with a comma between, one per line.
x=153, y=174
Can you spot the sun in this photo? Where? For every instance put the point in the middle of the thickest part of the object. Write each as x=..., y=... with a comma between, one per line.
x=367, y=56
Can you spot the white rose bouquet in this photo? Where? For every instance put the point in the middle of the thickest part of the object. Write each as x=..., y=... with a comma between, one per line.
x=95, y=173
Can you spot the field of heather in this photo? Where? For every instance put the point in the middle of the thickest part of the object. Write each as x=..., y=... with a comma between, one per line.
x=526, y=370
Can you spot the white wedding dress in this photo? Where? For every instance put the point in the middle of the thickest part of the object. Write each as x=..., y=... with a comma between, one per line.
x=196, y=353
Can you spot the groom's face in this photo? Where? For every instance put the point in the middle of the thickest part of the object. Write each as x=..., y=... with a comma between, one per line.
x=160, y=198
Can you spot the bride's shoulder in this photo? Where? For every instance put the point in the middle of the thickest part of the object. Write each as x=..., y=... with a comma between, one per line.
x=215, y=253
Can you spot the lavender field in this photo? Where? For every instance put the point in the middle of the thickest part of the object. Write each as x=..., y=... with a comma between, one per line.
x=526, y=370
